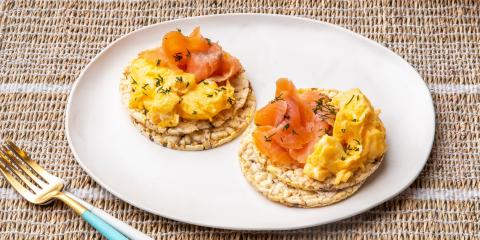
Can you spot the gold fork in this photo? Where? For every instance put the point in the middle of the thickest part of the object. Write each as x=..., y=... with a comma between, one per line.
x=40, y=187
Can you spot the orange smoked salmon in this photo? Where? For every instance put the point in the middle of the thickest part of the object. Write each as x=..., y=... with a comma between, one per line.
x=290, y=125
x=272, y=114
x=198, y=55
x=194, y=54
x=278, y=155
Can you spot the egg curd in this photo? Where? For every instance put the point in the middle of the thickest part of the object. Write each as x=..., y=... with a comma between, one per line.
x=165, y=95
x=358, y=138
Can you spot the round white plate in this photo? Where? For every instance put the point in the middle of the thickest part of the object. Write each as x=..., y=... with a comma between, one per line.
x=207, y=187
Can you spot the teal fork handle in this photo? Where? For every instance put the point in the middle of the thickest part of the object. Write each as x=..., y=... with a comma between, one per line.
x=104, y=228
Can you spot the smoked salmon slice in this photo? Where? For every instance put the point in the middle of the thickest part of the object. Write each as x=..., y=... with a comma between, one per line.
x=291, y=124
x=158, y=57
x=278, y=155
x=318, y=102
x=286, y=89
x=229, y=67
x=284, y=86
x=272, y=114
x=204, y=64
x=292, y=138
x=197, y=55
x=301, y=155
x=196, y=42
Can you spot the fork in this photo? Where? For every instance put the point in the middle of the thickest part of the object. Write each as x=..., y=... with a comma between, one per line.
x=40, y=187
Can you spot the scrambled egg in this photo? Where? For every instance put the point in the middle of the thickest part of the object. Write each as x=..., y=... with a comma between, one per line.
x=358, y=138
x=206, y=101
x=165, y=95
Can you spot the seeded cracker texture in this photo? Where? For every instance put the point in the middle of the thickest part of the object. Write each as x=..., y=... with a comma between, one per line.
x=253, y=166
x=195, y=135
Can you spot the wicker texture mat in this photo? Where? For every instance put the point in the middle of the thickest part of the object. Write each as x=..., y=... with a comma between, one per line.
x=45, y=44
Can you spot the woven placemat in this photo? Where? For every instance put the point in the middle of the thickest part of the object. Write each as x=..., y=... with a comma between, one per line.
x=45, y=44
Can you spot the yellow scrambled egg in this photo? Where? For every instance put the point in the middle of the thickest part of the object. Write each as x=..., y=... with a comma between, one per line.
x=206, y=101
x=165, y=95
x=358, y=138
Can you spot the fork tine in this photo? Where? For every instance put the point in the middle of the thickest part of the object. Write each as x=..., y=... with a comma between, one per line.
x=15, y=184
x=8, y=163
x=26, y=159
x=28, y=172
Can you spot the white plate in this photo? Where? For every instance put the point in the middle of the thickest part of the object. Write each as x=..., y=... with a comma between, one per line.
x=207, y=187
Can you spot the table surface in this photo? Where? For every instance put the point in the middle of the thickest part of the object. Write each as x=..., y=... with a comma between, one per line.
x=45, y=44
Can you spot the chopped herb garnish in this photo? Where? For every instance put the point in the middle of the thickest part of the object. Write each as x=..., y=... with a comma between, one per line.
x=319, y=105
x=179, y=79
x=324, y=107
x=343, y=130
x=332, y=111
x=268, y=138
x=177, y=57
x=144, y=86
x=354, y=120
x=286, y=126
x=286, y=116
x=209, y=95
x=188, y=53
x=358, y=97
x=179, y=30
x=350, y=148
x=133, y=80
x=343, y=158
x=358, y=142
x=293, y=132
x=188, y=83
x=231, y=100
x=205, y=82
x=194, y=112
x=209, y=41
x=277, y=98
x=350, y=100
x=159, y=81
x=163, y=90
x=158, y=62
x=145, y=111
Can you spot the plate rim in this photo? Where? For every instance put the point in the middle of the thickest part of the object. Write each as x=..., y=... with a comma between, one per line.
x=97, y=179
